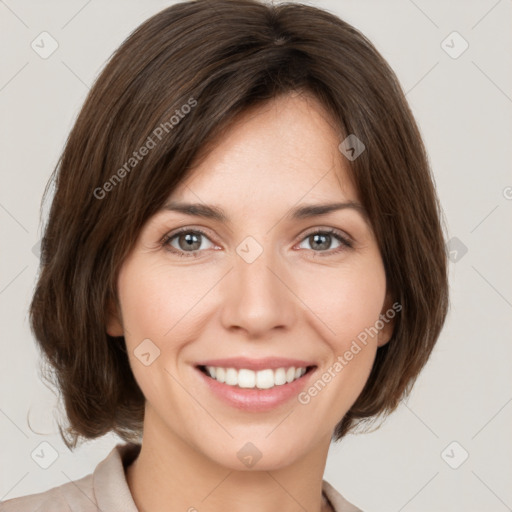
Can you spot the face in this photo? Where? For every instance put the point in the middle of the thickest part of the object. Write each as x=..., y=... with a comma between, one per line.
x=261, y=290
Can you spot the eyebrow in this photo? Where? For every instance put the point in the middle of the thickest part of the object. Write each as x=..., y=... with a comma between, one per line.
x=297, y=213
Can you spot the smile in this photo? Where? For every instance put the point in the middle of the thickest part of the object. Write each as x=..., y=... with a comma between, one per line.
x=249, y=379
x=255, y=384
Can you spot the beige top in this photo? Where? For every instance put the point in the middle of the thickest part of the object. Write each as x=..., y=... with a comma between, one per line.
x=106, y=490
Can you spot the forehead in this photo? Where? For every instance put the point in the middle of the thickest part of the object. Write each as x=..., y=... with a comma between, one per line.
x=285, y=148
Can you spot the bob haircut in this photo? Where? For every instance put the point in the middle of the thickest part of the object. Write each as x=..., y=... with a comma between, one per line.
x=173, y=86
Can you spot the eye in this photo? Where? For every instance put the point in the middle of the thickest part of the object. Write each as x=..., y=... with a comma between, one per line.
x=321, y=240
x=189, y=242
x=186, y=241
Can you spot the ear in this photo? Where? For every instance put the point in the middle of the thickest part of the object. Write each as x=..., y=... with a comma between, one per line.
x=387, y=317
x=114, y=325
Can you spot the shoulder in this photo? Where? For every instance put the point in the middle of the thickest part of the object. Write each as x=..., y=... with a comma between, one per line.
x=77, y=496
x=338, y=502
x=105, y=489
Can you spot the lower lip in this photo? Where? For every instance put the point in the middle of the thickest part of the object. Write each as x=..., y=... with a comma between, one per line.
x=254, y=399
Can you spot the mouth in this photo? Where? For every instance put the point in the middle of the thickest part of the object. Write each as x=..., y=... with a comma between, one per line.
x=263, y=379
x=255, y=385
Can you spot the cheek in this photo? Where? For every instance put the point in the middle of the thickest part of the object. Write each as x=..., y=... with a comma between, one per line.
x=347, y=299
x=346, y=302
x=154, y=299
x=157, y=306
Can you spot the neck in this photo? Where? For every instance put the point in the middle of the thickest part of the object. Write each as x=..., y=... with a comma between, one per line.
x=171, y=475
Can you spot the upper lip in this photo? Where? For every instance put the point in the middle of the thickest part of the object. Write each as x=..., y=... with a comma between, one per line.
x=256, y=364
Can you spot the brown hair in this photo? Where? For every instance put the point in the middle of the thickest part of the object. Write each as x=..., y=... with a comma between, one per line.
x=220, y=58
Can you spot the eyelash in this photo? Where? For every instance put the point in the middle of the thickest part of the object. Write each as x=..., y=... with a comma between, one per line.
x=345, y=243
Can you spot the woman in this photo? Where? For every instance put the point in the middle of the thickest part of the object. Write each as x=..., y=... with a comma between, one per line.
x=244, y=260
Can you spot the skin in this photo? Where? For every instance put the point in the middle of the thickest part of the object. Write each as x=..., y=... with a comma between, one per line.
x=295, y=300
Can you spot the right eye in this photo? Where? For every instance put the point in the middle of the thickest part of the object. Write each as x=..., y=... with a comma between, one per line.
x=186, y=240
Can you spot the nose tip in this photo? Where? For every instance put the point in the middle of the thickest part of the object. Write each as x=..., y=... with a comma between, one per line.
x=255, y=298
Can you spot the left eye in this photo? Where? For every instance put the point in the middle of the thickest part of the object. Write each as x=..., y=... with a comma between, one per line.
x=320, y=241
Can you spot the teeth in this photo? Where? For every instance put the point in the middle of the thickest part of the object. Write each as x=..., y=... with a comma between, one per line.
x=263, y=379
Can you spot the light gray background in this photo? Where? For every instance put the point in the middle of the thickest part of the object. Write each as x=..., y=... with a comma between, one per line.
x=463, y=107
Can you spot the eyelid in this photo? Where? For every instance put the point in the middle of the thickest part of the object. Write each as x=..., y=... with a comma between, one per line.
x=345, y=240
x=330, y=230
x=185, y=229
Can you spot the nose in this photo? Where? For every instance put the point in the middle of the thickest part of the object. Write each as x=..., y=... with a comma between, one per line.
x=258, y=296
